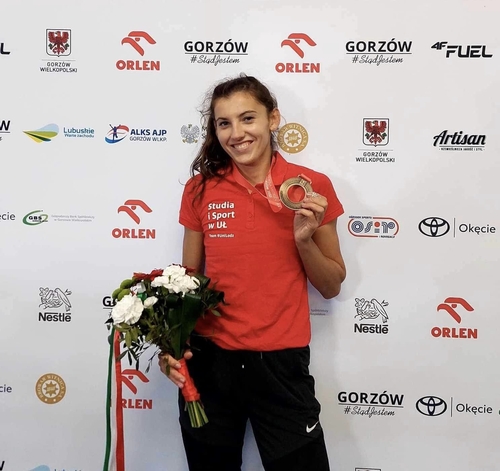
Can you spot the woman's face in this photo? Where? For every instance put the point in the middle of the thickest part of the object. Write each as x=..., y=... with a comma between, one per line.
x=243, y=127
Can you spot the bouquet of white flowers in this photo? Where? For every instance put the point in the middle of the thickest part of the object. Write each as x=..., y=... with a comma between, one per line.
x=161, y=308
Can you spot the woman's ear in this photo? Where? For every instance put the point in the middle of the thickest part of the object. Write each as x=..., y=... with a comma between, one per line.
x=274, y=119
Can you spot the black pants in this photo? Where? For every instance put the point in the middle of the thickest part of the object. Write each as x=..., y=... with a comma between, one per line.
x=273, y=390
x=205, y=457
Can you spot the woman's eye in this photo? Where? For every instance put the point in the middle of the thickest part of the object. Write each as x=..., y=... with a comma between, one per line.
x=223, y=124
x=248, y=118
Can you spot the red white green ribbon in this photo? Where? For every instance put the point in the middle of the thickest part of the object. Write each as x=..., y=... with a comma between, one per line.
x=115, y=449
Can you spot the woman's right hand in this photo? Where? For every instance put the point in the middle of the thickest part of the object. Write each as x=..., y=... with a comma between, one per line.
x=165, y=359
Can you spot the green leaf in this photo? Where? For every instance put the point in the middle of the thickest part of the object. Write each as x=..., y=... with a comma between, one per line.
x=192, y=309
x=175, y=321
x=128, y=339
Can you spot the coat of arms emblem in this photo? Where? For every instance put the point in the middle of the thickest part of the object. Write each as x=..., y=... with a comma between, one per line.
x=376, y=132
x=58, y=42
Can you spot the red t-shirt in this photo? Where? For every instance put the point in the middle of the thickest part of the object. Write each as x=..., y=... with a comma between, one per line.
x=250, y=253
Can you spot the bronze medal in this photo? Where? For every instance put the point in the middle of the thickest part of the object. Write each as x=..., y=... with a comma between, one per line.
x=301, y=181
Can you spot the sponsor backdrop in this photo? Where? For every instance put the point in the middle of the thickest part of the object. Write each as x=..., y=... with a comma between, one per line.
x=396, y=102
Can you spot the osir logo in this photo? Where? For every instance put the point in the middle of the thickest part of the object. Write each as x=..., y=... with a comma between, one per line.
x=50, y=388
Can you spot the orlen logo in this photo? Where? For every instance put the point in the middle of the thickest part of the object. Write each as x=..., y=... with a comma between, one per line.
x=370, y=226
x=116, y=133
x=130, y=207
x=434, y=227
x=450, y=305
x=468, y=52
x=134, y=38
x=293, y=41
x=127, y=378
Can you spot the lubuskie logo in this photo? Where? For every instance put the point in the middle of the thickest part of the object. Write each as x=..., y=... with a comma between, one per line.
x=293, y=41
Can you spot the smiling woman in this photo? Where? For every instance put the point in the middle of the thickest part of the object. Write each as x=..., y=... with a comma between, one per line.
x=252, y=362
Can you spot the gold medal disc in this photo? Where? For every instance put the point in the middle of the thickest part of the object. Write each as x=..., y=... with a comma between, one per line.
x=285, y=187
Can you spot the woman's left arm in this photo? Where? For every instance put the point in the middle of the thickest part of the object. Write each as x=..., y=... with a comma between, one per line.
x=319, y=246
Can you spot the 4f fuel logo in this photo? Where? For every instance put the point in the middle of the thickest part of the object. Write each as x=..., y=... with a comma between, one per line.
x=474, y=51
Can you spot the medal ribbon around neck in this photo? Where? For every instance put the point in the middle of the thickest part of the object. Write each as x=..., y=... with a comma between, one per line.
x=272, y=194
x=302, y=181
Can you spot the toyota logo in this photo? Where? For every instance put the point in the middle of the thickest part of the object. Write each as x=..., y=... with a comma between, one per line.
x=434, y=227
x=431, y=406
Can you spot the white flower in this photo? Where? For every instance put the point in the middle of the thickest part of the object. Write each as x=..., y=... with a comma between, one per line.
x=174, y=271
x=128, y=310
x=148, y=302
x=175, y=280
x=138, y=288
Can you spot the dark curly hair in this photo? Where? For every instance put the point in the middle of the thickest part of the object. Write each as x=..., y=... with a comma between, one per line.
x=212, y=161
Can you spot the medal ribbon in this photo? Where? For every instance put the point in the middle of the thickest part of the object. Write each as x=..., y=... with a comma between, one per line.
x=271, y=193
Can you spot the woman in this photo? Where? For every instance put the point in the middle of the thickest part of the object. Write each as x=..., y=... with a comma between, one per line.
x=252, y=362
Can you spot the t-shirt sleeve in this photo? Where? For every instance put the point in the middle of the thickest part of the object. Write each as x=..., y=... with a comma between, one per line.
x=189, y=215
x=324, y=186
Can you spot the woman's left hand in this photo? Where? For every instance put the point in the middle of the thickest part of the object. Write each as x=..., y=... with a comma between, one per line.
x=309, y=217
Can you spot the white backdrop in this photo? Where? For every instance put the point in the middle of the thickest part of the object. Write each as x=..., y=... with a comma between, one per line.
x=394, y=396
